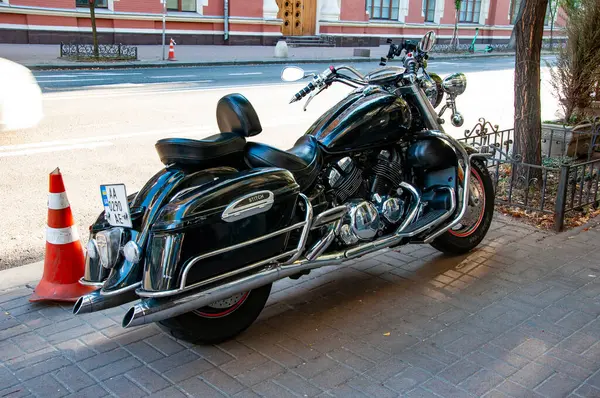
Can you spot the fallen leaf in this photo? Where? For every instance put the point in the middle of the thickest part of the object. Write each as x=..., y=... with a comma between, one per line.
x=387, y=334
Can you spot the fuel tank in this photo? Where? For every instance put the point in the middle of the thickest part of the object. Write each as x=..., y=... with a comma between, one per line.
x=367, y=117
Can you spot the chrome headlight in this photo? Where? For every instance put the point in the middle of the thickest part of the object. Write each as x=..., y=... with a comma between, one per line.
x=109, y=246
x=455, y=84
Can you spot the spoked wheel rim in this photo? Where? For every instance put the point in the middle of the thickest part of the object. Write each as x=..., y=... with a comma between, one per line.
x=475, y=208
x=223, y=307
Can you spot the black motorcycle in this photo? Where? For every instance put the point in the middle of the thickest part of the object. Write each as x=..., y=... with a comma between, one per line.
x=202, y=242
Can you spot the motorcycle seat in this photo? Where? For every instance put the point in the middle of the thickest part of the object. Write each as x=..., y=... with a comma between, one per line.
x=207, y=152
x=303, y=160
x=237, y=120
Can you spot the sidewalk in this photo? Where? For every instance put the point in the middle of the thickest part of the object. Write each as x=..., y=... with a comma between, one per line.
x=41, y=56
x=519, y=317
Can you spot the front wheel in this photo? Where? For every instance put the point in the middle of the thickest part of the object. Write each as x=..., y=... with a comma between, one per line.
x=473, y=227
x=219, y=321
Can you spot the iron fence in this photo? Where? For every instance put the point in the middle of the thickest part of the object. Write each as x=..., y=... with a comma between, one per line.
x=567, y=180
x=105, y=51
x=450, y=48
x=465, y=48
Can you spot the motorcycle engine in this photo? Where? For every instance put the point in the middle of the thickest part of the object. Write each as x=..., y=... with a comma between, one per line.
x=370, y=213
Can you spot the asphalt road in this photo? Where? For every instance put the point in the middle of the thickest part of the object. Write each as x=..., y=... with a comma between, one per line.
x=100, y=127
x=225, y=76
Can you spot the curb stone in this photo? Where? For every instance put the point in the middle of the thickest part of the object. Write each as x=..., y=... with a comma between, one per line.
x=22, y=275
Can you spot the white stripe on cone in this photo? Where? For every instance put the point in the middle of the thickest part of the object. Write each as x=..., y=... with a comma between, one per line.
x=58, y=201
x=61, y=236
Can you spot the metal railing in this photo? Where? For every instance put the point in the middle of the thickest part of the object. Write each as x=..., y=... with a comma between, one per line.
x=567, y=180
x=105, y=51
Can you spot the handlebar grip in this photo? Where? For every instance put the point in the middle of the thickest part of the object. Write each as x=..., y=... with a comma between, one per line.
x=305, y=91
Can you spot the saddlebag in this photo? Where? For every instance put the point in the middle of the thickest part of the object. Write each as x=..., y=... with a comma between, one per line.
x=221, y=227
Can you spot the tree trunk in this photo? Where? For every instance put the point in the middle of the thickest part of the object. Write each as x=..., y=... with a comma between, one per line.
x=455, y=33
x=512, y=42
x=528, y=125
x=94, y=33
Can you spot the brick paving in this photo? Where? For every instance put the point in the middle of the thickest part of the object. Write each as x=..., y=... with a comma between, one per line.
x=519, y=317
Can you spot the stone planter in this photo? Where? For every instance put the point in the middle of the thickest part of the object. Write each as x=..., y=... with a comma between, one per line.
x=572, y=141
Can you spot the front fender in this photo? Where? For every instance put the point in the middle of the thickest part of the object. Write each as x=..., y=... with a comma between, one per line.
x=470, y=151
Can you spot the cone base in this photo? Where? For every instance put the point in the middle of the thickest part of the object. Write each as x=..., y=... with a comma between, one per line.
x=47, y=291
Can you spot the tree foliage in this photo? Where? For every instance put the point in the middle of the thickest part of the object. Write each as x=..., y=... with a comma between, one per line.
x=575, y=76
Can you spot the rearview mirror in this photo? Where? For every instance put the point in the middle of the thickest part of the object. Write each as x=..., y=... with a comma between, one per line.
x=427, y=42
x=292, y=74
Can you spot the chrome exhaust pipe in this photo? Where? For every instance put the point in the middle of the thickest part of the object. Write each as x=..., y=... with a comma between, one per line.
x=156, y=309
x=95, y=301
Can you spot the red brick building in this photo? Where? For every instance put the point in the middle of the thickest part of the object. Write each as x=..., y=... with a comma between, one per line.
x=349, y=22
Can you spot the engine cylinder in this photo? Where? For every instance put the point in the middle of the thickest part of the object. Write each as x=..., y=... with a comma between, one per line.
x=345, y=179
x=387, y=172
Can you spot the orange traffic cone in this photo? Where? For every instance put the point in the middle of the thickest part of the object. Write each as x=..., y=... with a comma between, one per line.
x=172, y=51
x=64, y=262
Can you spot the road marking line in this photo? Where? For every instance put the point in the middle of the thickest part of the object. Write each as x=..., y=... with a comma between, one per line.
x=70, y=95
x=94, y=139
x=54, y=149
x=170, y=76
x=109, y=73
x=245, y=73
x=53, y=76
x=69, y=80
x=83, y=74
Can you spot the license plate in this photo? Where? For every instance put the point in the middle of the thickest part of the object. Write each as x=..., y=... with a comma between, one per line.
x=116, y=207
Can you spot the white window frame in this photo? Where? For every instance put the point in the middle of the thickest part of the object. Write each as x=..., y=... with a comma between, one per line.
x=199, y=9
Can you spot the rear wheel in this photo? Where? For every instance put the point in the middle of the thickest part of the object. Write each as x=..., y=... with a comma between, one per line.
x=219, y=321
x=473, y=227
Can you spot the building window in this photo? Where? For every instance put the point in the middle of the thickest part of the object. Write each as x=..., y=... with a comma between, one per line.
x=86, y=3
x=469, y=11
x=429, y=10
x=383, y=9
x=514, y=11
x=181, y=5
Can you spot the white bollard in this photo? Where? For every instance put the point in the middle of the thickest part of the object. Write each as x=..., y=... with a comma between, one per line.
x=281, y=49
